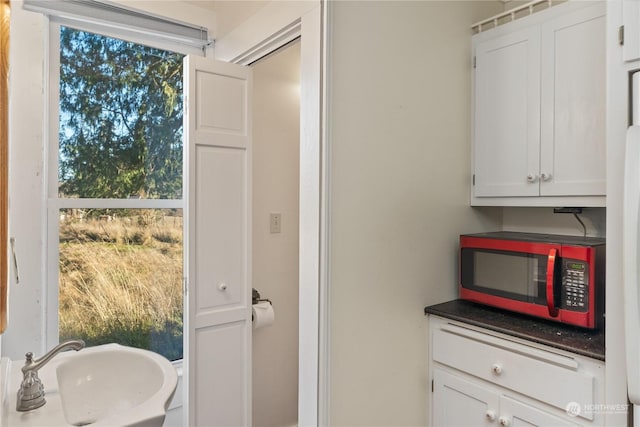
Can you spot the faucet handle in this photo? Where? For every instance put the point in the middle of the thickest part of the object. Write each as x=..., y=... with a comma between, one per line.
x=31, y=393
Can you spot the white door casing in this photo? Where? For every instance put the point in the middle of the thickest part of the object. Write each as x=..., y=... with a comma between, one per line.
x=217, y=328
x=630, y=266
x=267, y=30
x=631, y=46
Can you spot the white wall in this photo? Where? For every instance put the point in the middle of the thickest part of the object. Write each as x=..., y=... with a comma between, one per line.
x=399, y=119
x=276, y=150
x=543, y=220
x=25, y=331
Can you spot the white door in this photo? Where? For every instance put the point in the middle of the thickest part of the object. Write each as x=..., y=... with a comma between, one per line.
x=217, y=197
x=461, y=403
x=507, y=115
x=572, y=142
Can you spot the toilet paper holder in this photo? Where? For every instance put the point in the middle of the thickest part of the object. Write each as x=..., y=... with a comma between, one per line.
x=256, y=298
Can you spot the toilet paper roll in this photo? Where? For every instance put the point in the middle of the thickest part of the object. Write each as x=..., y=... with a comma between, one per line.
x=263, y=314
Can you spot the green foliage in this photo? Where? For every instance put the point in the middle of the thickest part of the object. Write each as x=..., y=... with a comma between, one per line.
x=120, y=118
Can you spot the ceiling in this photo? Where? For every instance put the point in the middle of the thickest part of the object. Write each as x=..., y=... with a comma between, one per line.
x=229, y=13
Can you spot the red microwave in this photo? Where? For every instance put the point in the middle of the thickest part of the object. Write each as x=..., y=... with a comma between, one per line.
x=560, y=278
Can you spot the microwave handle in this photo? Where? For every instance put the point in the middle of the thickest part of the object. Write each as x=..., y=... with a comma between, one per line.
x=551, y=268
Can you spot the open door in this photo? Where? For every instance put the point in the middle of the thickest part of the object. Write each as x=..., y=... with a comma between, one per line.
x=217, y=129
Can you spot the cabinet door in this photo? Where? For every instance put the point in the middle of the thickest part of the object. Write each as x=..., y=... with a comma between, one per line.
x=572, y=146
x=517, y=414
x=458, y=402
x=507, y=115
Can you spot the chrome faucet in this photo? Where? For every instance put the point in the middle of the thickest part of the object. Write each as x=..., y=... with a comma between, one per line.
x=31, y=393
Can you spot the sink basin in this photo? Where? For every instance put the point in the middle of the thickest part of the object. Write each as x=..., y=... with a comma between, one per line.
x=116, y=385
x=108, y=385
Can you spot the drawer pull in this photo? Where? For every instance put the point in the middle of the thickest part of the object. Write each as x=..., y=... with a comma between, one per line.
x=504, y=421
x=490, y=415
x=496, y=369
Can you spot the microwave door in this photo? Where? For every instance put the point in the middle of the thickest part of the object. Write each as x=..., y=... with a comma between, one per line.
x=512, y=275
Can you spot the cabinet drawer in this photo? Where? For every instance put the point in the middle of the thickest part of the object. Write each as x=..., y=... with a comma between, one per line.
x=549, y=377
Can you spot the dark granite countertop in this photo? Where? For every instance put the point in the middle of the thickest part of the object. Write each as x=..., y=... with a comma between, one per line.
x=565, y=337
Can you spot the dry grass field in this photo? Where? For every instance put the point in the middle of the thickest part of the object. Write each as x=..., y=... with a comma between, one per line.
x=121, y=281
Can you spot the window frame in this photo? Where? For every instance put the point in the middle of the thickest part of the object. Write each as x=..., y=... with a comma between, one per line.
x=54, y=203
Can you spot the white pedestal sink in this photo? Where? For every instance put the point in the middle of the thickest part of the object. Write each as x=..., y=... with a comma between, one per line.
x=108, y=385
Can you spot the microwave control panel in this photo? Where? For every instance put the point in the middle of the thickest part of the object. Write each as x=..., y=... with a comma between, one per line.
x=575, y=285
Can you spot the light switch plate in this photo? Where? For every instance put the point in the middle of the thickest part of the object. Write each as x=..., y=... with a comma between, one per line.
x=275, y=223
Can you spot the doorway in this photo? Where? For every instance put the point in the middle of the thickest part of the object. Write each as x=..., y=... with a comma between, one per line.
x=256, y=37
x=275, y=253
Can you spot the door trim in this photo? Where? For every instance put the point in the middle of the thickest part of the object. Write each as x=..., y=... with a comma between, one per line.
x=310, y=25
x=271, y=44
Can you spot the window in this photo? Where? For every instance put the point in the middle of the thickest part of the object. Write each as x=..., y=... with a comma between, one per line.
x=115, y=193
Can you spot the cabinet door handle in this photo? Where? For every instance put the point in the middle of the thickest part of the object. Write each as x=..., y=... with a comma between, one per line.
x=504, y=421
x=546, y=177
x=490, y=415
x=496, y=369
x=532, y=178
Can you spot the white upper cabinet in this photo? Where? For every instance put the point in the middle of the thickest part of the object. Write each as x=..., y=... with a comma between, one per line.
x=539, y=110
x=572, y=148
x=507, y=114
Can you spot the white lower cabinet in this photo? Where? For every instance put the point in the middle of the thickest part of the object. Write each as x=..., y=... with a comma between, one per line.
x=517, y=414
x=464, y=402
x=483, y=378
x=461, y=402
